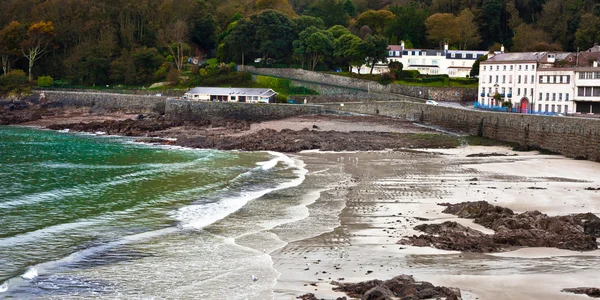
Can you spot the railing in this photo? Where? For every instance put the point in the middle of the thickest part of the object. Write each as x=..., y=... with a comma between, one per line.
x=513, y=110
x=509, y=95
x=482, y=94
x=502, y=95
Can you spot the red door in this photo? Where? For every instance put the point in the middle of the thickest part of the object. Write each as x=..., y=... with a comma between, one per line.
x=524, y=106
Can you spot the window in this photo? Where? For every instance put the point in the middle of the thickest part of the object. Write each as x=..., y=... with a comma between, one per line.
x=526, y=67
x=541, y=79
x=452, y=55
x=553, y=96
x=435, y=62
x=567, y=97
x=560, y=79
x=463, y=55
x=525, y=92
x=504, y=91
x=519, y=67
x=596, y=75
x=553, y=107
x=532, y=67
x=490, y=90
x=519, y=79
x=568, y=79
x=518, y=91
x=510, y=91
x=497, y=68
x=490, y=78
x=588, y=91
x=566, y=109
x=558, y=107
x=503, y=78
x=525, y=79
x=511, y=67
x=532, y=78
x=596, y=92
x=531, y=93
x=232, y=97
x=559, y=96
x=504, y=68
x=497, y=78
x=484, y=68
x=540, y=98
x=539, y=107
x=580, y=91
x=547, y=96
x=555, y=81
x=546, y=107
x=509, y=78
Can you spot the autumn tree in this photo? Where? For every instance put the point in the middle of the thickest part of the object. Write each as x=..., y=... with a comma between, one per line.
x=529, y=38
x=38, y=41
x=376, y=20
x=468, y=32
x=175, y=38
x=10, y=39
x=279, y=5
x=441, y=28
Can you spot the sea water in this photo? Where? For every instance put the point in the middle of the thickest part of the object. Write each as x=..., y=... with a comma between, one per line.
x=84, y=216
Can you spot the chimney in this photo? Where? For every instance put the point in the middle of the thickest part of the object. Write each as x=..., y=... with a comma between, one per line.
x=595, y=64
x=402, y=44
x=491, y=54
x=502, y=48
x=446, y=46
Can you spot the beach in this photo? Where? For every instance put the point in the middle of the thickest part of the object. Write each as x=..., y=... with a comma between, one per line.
x=380, y=196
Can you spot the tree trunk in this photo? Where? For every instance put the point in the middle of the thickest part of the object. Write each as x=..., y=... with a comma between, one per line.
x=5, y=66
x=372, y=66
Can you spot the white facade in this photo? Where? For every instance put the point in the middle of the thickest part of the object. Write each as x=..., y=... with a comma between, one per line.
x=251, y=95
x=587, y=90
x=454, y=63
x=519, y=79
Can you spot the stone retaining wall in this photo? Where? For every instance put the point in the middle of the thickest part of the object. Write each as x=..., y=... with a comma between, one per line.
x=108, y=102
x=304, y=76
x=569, y=136
x=195, y=110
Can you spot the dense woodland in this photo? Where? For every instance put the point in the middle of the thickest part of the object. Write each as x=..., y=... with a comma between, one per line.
x=136, y=42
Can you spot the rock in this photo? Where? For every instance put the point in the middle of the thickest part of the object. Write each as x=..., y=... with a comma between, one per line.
x=380, y=292
x=308, y=296
x=528, y=229
x=399, y=287
x=592, y=292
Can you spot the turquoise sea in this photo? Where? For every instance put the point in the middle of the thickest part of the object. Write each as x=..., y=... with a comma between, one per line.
x=86, y=216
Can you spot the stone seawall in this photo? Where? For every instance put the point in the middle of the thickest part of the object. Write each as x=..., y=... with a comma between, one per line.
x=435, y=93
x=108, y=102
x=569, y=136
x=192, y=110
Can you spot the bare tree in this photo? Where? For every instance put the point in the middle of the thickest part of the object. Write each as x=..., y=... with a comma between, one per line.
x=175, y=38
x=38, y=41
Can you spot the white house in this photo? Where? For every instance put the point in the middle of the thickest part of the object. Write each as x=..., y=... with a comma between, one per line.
x=454, y=63
x=252, y=95
x=542, y=82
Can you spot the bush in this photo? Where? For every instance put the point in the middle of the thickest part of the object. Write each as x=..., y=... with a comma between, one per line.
x=433, y=79
x=385, y=79
x=15, y=81
x=409, y=74
x=173, y=76
x=45, y=81
x=281, y=98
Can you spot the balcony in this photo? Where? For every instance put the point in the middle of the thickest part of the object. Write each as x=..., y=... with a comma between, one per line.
x=502, y=95
x=488, y=94
x=509, y=95
x=482, y=94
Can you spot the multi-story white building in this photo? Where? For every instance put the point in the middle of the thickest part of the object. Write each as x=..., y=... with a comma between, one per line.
x=454, y=63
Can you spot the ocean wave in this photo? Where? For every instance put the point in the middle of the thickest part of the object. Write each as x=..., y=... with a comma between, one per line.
x=200, y=215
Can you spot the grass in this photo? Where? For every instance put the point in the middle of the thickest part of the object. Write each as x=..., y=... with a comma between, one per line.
x=452, y=82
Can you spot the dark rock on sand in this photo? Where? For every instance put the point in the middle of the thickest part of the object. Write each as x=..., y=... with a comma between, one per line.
x=402, y=287
x=592, y=292
x=529, y=229
x=489, y=154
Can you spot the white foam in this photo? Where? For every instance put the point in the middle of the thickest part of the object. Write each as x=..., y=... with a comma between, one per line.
x=30, y=274
x=4, y=287
x=198, y=216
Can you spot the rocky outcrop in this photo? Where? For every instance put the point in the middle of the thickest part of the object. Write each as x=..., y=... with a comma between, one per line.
x=400, y=287
x=529, y=229
x=592, y=292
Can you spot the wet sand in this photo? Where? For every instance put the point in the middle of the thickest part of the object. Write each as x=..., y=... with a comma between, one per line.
x=385, y=194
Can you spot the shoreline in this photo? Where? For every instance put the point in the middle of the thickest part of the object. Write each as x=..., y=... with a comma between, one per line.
x=382, y=198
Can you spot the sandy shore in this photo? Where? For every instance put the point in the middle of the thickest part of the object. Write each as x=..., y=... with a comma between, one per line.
x=385, y=194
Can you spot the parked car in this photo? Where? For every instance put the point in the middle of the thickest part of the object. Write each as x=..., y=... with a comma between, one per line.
x=431, y=102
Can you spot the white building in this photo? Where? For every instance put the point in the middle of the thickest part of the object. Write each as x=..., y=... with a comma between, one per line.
x=542, y=82
x=454, y=63
x=252, y=95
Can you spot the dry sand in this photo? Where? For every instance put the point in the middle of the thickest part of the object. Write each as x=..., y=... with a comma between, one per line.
x=388, y=191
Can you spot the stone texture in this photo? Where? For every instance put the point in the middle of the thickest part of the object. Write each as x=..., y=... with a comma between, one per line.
x=569, y=136
x=328, y=83
x=107, y=102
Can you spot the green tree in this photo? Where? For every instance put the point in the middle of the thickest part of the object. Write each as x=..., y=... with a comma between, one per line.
x=588, y=32
x=10, y=40
x=491, y=21
x=175, y=38
x=348, y=47
x=241, y=42
x=475, y=68
x=408, y=24
x=338, y=30
x=349, y=8
x=303, y=22
x=375, y=48
x=274, y=34
x=318, y=45
x=38, y=41
x=332, y=12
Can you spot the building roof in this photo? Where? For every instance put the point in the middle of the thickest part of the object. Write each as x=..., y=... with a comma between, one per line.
x=232, y=91
x=395, y=48
x=516, y=56
x=423, y=66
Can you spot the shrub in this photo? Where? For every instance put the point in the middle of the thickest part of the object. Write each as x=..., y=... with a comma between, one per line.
x=45, y=81
x=409, y=74
x=173, y=76
x=15, y=81
x=281, y=98
x=385, y=79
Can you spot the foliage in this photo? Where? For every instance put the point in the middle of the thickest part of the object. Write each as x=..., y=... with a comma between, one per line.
x=475, y=68
x=441, y=28
x=375, y=49
x=45, y=81
x=409, y=74
x=282, y=86
x=15, y=82
x=376, y=20
x=313, y=44
x=38, y=41
x=10, y=39
x=332, y=12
